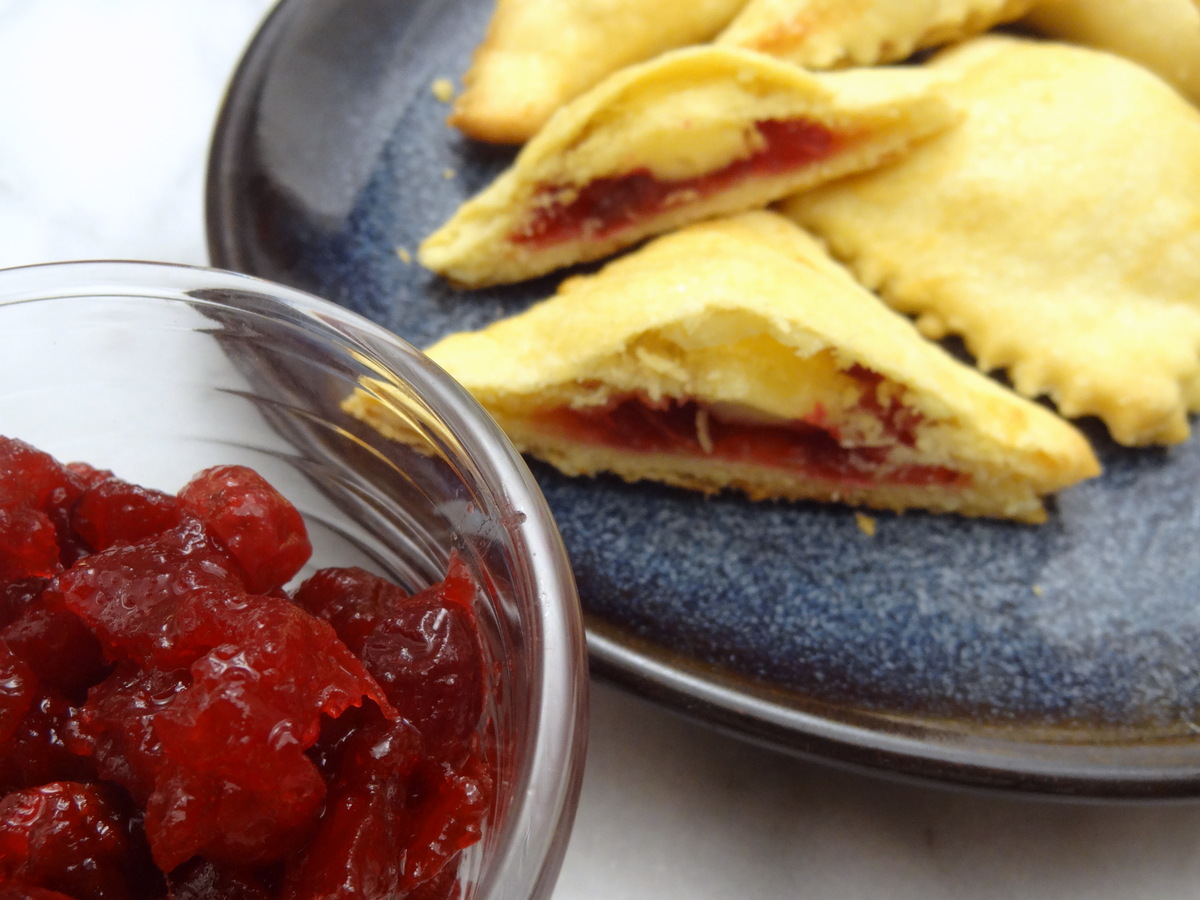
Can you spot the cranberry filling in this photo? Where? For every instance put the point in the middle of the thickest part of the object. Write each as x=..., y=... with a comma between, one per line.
x=174, y=722
x=809, y=446
x=608, y=205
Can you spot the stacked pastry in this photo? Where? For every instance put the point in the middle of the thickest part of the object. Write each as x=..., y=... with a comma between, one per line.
x=786, y=195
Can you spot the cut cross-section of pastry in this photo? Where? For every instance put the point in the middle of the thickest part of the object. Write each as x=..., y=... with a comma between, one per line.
x=827, y=34
x=735, y=353
x=538, y=54
x=1057, y=230
x=1162, y=35
x=692, y=134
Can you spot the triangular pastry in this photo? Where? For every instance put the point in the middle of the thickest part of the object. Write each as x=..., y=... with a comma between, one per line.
x=1057, y=230
x=735, y=353
x=694, y=133
x=1162, y=35
x=538, y=54
x=827, y=34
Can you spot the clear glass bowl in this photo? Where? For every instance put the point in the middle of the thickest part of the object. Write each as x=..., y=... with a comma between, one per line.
x=157, y=371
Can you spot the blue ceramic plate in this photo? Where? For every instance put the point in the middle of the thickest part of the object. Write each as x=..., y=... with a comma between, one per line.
x=1059, y=659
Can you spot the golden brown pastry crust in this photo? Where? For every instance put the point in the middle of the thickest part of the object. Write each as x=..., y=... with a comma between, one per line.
x=1162, y=35
x=749, y=318
x=668, y=125
x=539, y=54
x=1057, y=229
x=827, y=34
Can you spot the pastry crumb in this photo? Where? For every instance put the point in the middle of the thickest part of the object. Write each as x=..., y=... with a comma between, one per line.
x=866, y=524
x=443, y=89
x=405, y=256
x=1038, y=590
x=448, y=173
x=703, y=434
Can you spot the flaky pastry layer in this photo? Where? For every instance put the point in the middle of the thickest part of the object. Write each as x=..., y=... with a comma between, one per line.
x=539, y=54
x=692, y=134
x=746, y=321
x=827, y=34
x=1162, y=35
x=1055, y=230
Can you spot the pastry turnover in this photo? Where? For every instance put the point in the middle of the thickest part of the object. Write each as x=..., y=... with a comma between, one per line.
x=735, y=353
x=826, y=34
x=538, y=54
x=1163, y=35
x=1057, y=230
x=694, y=133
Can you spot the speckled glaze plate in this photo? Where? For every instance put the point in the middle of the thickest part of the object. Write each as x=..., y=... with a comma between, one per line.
x=1059, y=659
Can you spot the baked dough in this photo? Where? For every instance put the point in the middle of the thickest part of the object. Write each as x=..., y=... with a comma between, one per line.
x=827, y=34
x=694, y=133
x=538, y=54
x=1057, y=230
x=1162, y=35
x=735, y=353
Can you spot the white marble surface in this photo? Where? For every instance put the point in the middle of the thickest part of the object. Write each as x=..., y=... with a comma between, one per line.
x=106, y=107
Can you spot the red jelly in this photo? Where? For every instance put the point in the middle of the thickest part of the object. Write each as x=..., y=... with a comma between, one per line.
x=809, y=446
x=608, y=205
x=70, y=837
x=261, y=531
x=16, y=691
x=174, y=724
x=113, y=512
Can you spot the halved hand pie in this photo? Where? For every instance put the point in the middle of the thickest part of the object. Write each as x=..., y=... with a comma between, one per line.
x=1057, y=230
x=538, y=54
x=827, y=34
x=695, y=133
x=736, y=354
x=1162, y=35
